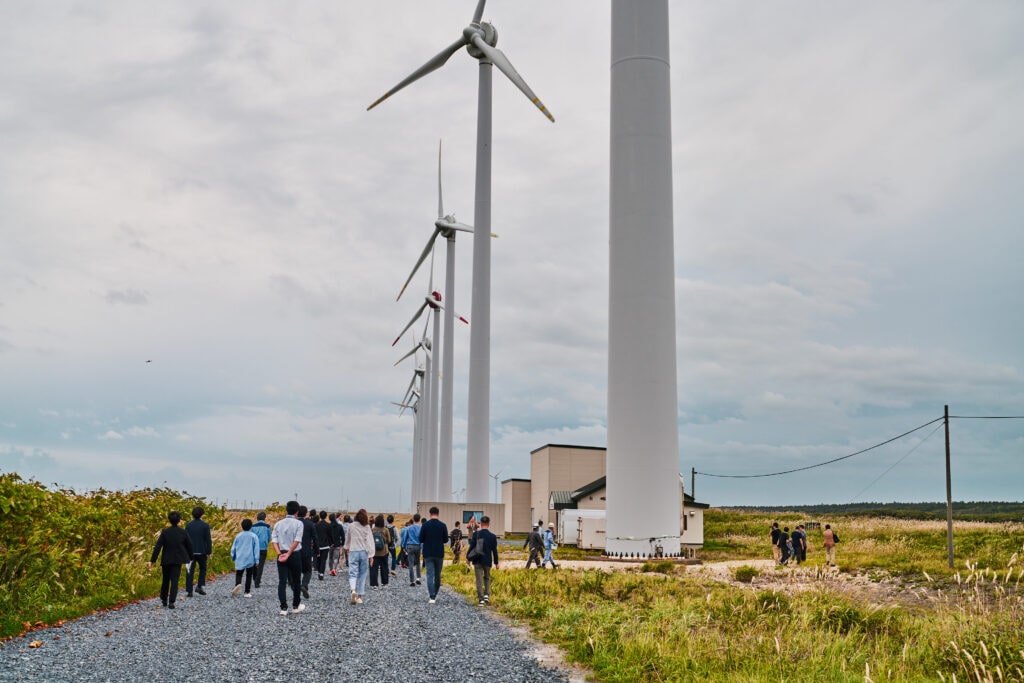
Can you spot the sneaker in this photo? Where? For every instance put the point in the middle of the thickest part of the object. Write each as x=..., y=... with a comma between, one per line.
x=300, y=608
x=432, y=601
x=236, y=590
x=163, y=603
x=481, y=603
x=305, y=593
x=334, y=573
x=247, y=595
x=359, y=599
x=170, y=605
x=200, y=591
x=189, y=594
x=487, y=598
x=284, y=612
x=394, y=573
x=412, y=583
x=417, y=582
x=353, y=601
x=321, y=577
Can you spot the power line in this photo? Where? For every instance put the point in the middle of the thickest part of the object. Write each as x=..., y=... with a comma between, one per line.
x=821, y=464
x=986, y=417
x=890, y=468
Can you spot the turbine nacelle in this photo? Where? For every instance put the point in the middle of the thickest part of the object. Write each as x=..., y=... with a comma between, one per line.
x=486, y=32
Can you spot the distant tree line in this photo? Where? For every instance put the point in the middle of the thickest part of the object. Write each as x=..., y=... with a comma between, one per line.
x=975, y=511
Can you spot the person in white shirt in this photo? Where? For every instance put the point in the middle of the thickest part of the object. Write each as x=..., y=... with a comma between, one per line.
x=286, y=538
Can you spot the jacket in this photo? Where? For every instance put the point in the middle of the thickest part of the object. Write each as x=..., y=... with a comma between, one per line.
x=433, y=536
x=534, y=541
x=490, y=556
x=176, y=546
x=245, y=551
x=199, y=533
x=360, y=538
x=323, y=534
x=549, y=539
x=262, y=531
x=411, y=535
x=337, y=535
x=383, y=531
x=307, y=536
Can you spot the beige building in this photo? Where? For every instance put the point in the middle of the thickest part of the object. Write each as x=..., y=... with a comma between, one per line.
x=462, y=512
x=515, y=495
x=557, y=467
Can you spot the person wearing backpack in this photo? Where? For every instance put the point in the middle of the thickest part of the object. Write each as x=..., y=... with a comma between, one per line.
x=433, y=537
x=381, y=556
x=483, y=553
x=391, y=546
x=829, y=540
x=411, y=546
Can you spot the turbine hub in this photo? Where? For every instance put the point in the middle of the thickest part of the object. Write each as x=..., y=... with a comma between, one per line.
x=485, y=31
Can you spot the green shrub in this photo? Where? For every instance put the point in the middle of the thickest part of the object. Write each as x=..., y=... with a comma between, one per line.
x=745, y=574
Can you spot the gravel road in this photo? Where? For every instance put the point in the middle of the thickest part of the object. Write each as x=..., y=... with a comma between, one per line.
x=395, y=635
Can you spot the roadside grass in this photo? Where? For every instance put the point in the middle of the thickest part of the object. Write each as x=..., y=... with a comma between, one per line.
x=961, y=624
x=65, y=554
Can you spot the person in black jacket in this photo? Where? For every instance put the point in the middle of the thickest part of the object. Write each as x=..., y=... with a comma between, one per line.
x=307, y=550
x=483, y=561
x=322, y=530
x=177, y=550
x=202, y=547
x=337, y=540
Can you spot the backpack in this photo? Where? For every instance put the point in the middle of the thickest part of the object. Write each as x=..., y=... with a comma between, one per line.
x=394, y=534
x=378, y=541
x=477, y=551
x=835, y=536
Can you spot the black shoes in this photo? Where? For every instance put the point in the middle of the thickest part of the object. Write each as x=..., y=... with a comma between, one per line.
x=200, y=591
x=305, y=593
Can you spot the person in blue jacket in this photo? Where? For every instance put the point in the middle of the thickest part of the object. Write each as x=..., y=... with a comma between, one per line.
x=262, y=531
x=549, y=546
x=245, y=551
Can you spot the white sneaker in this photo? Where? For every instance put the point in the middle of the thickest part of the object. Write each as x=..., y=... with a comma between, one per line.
x=247, y=595
x=300, y=608
x=236, y=590
x=432, y=601
x=283, y=613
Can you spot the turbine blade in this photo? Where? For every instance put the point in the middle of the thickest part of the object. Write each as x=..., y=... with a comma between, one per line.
x=433, y=64
x=478, y=14
x=505, y=66
x=454, y=225
x=440, y=203
x=414, y=319
x=465, y=320
x=414, y=350
x=423, y=257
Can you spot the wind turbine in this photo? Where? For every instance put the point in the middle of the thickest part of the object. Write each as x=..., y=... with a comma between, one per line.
x=495, y=478
x=479, y=39
x=643, y=431
x=445, y=226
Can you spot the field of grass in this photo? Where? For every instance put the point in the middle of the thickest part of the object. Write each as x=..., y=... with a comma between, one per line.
x=667, y=623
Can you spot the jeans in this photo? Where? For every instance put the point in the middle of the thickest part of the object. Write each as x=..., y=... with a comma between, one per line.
x=358, y=568
x=548, y=557
x=197, y=561
x=413, y=553
x=289, y=573
x=259, y=568
x=169, y=583
x=379, y=570
x=394, y=557
x=483, y=581
x=434, y=565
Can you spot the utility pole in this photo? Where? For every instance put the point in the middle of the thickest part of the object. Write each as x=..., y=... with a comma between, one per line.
x=949, y=496
x=693, y=483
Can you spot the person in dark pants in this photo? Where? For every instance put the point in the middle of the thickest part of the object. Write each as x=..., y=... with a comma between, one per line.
x=379, y=573
x=393, y=532
x=433, y=538
x=262, y=531
x=177, y=550
x=202, y=548
x=322, y=537
x=308, y=550
x=785, y=544
x=287, y=539
x=485, y=560
x=536, y=545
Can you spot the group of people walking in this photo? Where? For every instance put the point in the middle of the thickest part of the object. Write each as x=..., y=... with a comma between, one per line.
x=305, y=540
x=539, y=543
x=792, y=546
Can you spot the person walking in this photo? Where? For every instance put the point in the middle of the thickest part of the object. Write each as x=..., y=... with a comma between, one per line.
x=245, y=551
x=346, y=523
x=829, y=540
x=322, y=534
x=549, y=546
x=176, y=546
x=337, y=540
x=433, y=537
x=536, y=545
x=785, y=545
x=776, y=548
x=262, y=531
x=307, y=550
x=202, y=547
x=287, y=539
x=359, y=548
x=411, y=546
x=797, y=538
x=393, y=532
x=483, y=553
x=455, y=538
x=379, y=572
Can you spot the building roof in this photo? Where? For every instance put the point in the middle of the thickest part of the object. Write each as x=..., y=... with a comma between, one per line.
x=561, y=500
x=565, y=445
x=505, y=481
x=598, y=484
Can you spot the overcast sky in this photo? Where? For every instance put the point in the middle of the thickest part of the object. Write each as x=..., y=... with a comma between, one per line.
x=199, y=184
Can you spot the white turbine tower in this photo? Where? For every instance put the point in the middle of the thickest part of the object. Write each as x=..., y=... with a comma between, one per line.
x=447, y=226
x=479, y=38
x=413, y=400
x=644, y=497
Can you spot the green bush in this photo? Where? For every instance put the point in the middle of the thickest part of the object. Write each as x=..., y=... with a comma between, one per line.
x=745, y=574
